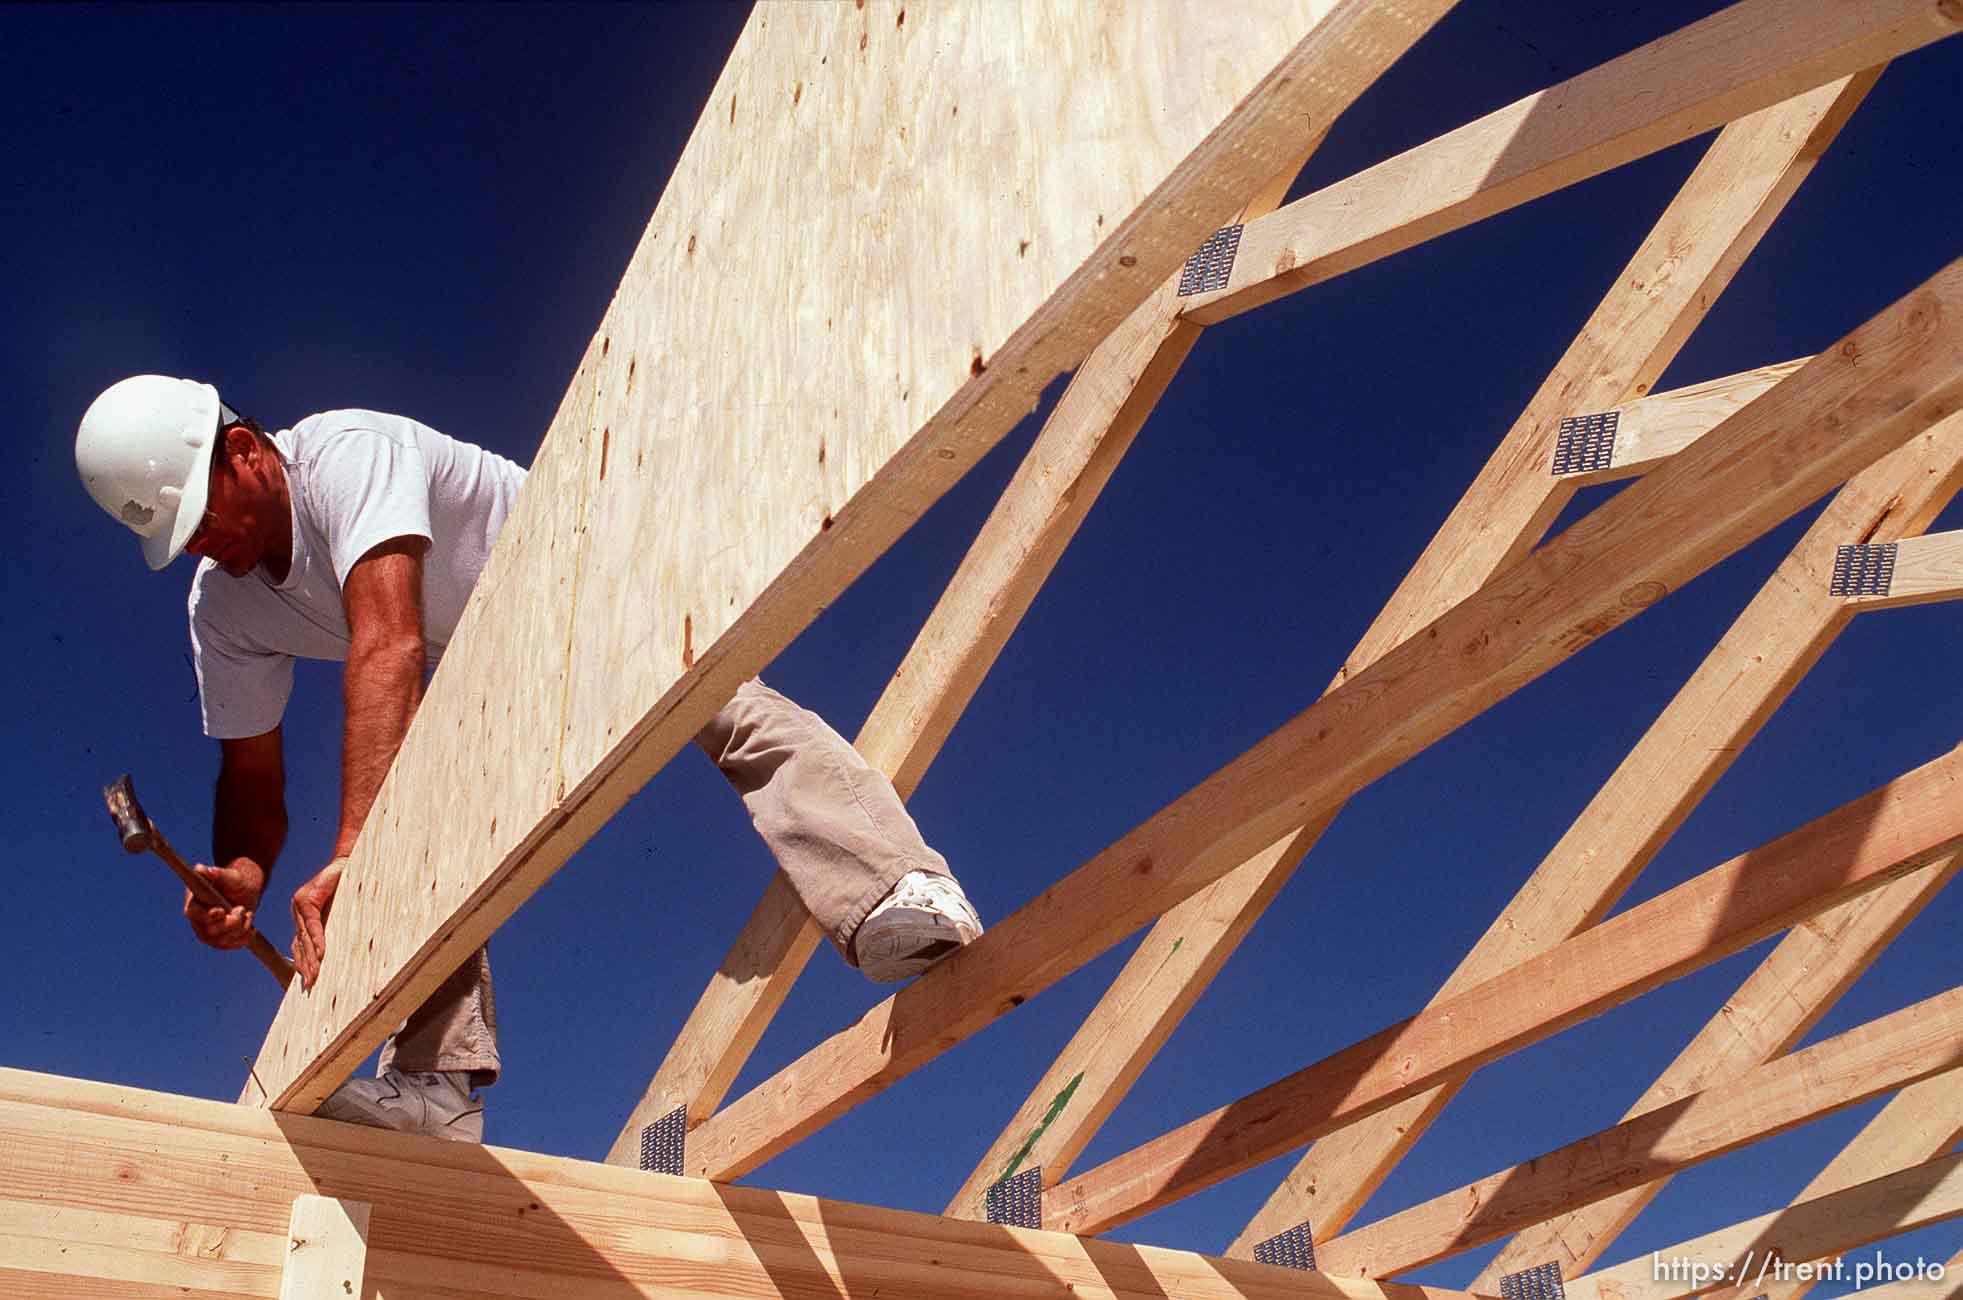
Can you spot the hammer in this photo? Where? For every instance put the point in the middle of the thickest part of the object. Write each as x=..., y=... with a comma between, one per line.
x=138, y=833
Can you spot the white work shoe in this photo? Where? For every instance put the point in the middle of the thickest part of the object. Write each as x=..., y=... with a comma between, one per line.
x=430, y=1103
x=925, y=918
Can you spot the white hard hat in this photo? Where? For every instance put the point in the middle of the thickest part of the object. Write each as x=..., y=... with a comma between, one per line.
x=144, y=453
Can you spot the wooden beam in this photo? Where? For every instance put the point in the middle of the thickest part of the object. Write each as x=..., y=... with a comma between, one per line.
x=1887, y=382
x=1674, y=276
x=1073, y=457
x=1736, y=62
x=1918, y=1124
x=1652, y=429
x=1915, y=1043
x=1772, y=1011
x=116, y=1192
x=680, y=527
x=1905, y=825
x=326, y=1249
x=1925, y=570
x=1766, y=652
x=1772, y=1248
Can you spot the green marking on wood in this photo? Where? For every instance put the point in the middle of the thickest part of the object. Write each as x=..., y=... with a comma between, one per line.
x=1042, y=1126
x=1175, y=946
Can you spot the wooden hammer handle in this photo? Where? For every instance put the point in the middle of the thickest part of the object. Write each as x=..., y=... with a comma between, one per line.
x=209, y=894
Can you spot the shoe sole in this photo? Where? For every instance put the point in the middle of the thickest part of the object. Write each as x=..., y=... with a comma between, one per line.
x=891, y=970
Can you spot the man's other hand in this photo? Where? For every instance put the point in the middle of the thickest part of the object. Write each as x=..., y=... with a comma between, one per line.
x=311, y=904
x=242, y=881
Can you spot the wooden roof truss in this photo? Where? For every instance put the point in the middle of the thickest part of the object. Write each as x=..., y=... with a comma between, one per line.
x=1090, y=271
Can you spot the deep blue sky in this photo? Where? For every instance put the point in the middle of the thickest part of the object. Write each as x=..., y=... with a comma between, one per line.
x=426, y=210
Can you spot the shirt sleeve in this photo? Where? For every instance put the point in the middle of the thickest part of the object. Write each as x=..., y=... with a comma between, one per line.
x=369, y=487
x=242, y=690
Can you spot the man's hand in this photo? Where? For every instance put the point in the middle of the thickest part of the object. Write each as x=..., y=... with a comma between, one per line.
x=243, y=881
x=311, y=904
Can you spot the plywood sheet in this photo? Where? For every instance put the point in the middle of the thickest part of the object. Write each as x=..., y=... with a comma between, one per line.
x=891, y=228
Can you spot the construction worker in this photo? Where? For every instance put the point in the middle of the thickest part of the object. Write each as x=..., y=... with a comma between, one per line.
x=358, y=536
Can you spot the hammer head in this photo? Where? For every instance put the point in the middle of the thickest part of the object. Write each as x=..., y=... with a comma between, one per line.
x=132, y=825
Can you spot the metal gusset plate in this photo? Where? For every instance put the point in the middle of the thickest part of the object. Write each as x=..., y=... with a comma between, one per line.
x=1863, y=570
x=1292, y=1249
x=1541, y=1282
x=663, y=1142
x=1018, y=1199
x=1209, y=268
x=1585, y=442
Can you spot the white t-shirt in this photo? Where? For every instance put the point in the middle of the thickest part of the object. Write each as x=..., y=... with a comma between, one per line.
x=356, y=479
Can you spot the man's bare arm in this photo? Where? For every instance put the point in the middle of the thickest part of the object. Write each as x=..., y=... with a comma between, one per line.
x=248, y=827
x=383, y=595
x=386, y=658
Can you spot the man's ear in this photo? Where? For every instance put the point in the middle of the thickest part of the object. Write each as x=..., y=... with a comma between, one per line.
x=240, y=446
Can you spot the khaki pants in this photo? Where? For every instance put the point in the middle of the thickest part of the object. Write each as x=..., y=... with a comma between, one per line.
x=835, y=826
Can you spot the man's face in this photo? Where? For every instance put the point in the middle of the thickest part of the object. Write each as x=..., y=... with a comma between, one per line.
x=245, y=509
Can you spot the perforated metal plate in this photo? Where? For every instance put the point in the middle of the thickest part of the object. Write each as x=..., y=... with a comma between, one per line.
x=663, y=1141
x=1209, y=268
x=1018, y=1199
x=1292, y=1249
x=1541, y=1282
x=1863, y=570
x=1585, y=442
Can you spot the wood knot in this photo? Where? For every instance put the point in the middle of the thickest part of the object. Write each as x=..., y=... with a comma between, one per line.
x=1643, y=595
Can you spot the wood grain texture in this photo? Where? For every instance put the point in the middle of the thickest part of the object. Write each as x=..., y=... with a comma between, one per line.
x=1654, y=428
x=1918, y=1124
x=1778, y=1004
x=1765, y=653
x=788, y=376
x=1813, y=1229
x=1927, y=569
x=111, y=1191
x=54, y=1246
x=1904, y=826
x=1732, y=64
x=326, y=1249
x=1913, y=1044
x=1871, y=393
